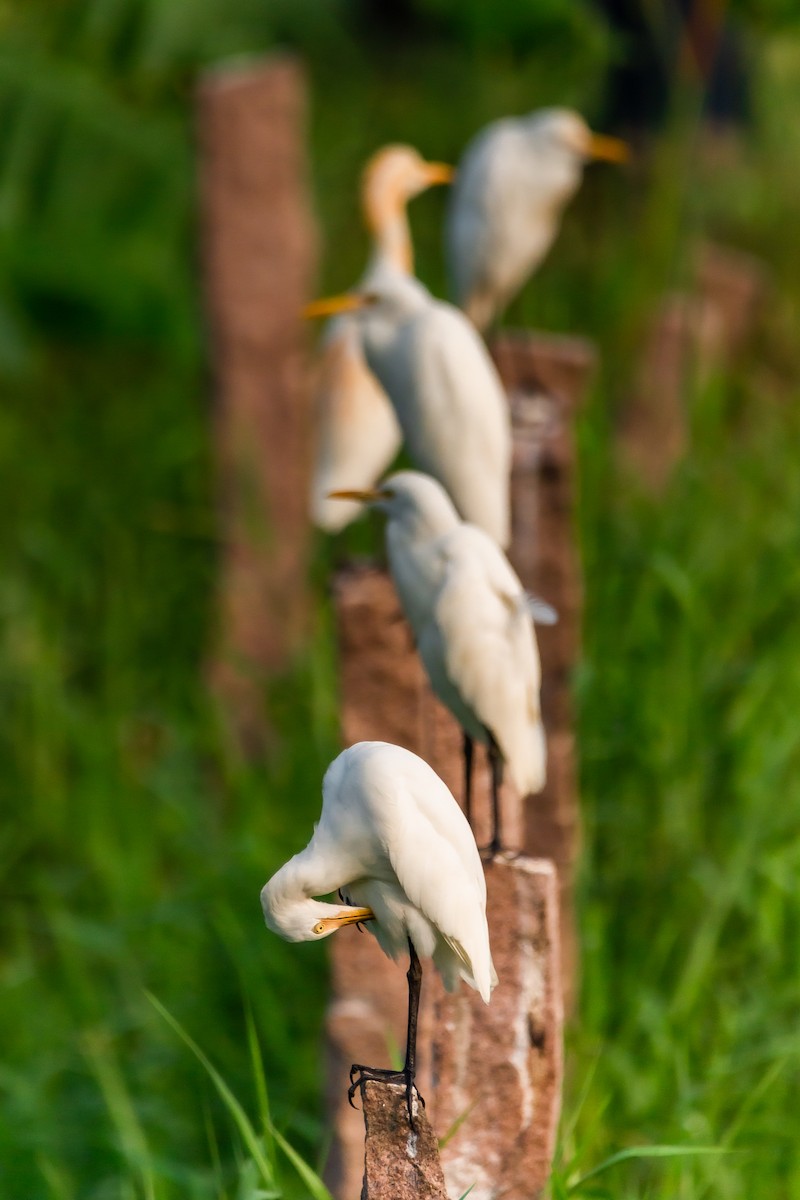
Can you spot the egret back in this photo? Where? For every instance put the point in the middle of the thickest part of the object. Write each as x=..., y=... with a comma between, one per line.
x=451, y=407
x=425, y=877
x=512, y=184
x=479, y=650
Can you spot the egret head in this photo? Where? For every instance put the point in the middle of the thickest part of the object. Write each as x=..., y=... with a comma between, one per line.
x=409, y=496
x=301, y=919
x=393, y=176
x=385, y=294
x=566, y=132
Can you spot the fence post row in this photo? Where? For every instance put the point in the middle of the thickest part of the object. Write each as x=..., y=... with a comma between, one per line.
x=491, y=1075
x=546, y=377
x=470, y=1066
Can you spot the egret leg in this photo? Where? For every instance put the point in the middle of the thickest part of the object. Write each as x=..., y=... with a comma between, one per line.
x=414, y=977
x=359, y=1073
x=496, y=768
x=469, y=747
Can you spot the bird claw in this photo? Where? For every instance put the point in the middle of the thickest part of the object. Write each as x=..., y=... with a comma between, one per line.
x=360, y=1074
x=496, y=849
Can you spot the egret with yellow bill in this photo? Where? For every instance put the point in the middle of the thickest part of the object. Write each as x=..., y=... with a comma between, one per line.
x=357, y=434
x=392, y=841
x=445, y=390
x=513, y=183
x=473, y=625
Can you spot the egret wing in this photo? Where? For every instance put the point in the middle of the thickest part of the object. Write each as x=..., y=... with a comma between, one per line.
x=488, y=650
x=436, y=862
x=471, y=234
x=357, y=434
x=461, y=428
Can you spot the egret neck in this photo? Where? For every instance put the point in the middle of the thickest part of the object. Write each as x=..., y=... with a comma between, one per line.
x=289, y=907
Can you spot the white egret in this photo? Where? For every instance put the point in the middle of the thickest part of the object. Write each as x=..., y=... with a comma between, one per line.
x=473, y=626
x=513, y=181
x=357, y=431
x=395, y=845
x=445, y=390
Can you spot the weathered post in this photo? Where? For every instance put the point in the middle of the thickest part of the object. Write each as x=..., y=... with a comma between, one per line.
x=546, y=378
x=259, y=253
x=384, y=695
x=497, y=1070
x=734, y=284
x=692, y=334
x=399, y=1163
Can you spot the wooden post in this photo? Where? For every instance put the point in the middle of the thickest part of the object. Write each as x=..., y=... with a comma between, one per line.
x=546, y=378
x=735, y=286
x=259, y=253
x=399, y=1163
x=653, y=431
x=497, y=1069
x=691, y=335
x=384, y=695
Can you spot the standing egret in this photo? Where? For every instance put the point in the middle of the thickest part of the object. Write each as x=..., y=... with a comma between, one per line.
x=445, y=389
x=395, y=845
x=513, y=181
x=473, y=626
x=357, y=431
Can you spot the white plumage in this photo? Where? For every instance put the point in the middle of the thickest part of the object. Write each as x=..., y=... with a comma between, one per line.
x=514, y=180
x=392, y=838
x=357, y=431
x=444, y=388
x=471, y=620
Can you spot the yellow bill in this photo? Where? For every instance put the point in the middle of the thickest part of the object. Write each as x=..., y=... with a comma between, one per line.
x=348, y=916
x=366, y=496
x=438, y=172
x=331, y=306
x=609, y=149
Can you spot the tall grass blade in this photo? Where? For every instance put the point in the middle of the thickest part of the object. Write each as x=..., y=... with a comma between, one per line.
x=240, y=1118
x=261, y=1083
x=121, y=1107
x=634, y=1152
x=249, y=1136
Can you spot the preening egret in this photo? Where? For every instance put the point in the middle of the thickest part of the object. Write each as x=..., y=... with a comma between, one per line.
x=473, y=627
x=445, y=390
x=357, y=431
x=513, y=181
x=395, y=845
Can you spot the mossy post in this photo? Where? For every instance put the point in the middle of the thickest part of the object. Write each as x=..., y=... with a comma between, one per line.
x=259, y=250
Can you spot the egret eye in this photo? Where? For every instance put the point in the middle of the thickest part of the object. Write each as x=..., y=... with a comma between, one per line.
x=319, y=927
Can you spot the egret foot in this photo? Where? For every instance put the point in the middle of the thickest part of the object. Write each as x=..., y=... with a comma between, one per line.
x=359, y=1073
x=496, y=849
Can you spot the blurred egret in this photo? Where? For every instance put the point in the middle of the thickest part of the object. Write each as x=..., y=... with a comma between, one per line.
x=473, y=626
x=513, y=181
x=357, y=431
x=445, y=390
x=395, y=845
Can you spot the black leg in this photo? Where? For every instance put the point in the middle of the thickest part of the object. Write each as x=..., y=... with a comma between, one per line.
x=496, y=767
x=469, y=747
x=359, y=1073
x=414, y=977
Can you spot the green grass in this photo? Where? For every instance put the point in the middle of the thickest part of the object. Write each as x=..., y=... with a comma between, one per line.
x=137, y=839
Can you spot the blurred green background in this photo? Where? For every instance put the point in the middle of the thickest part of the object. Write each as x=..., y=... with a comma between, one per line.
x=137, y=839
